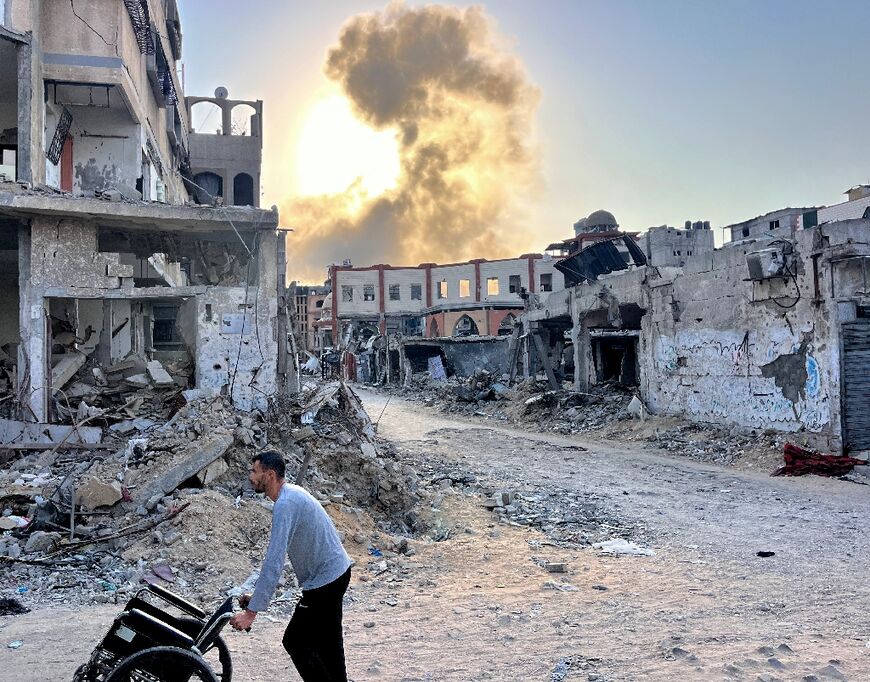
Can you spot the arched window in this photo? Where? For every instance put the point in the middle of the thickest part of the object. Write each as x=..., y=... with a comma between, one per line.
x=465, y=326
x=243, y=190
x=507, y=325
x=433, y=329
x=206, y=118
x=210, y=185
x=241, y=122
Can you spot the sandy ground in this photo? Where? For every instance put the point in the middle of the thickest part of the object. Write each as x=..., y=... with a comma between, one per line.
x=478, y=605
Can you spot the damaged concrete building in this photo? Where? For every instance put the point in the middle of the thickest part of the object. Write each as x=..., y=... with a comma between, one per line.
x=113, y=280
x=771, y=332
x=386, y=319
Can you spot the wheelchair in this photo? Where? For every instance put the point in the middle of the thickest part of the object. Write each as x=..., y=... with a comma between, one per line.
x=147, y=643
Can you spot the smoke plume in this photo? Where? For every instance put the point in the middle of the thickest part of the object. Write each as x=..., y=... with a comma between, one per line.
x=462, y=109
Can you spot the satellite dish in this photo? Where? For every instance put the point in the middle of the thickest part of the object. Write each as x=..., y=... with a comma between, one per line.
x=221, y=92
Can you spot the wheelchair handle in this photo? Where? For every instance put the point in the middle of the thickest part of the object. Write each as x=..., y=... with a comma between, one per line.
x=177, y=601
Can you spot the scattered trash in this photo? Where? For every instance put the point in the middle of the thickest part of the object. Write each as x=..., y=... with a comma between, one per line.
x=15, y=644
x=765, y=554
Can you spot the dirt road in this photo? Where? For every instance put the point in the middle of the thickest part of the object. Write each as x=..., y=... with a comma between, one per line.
x=479, y=605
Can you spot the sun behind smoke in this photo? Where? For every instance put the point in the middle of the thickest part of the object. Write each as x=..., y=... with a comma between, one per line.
x=462, y=113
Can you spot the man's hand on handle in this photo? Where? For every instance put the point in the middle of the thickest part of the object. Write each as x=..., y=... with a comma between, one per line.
x=244, y=619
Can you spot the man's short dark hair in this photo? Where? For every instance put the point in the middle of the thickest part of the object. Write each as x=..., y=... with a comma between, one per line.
x=271, y=459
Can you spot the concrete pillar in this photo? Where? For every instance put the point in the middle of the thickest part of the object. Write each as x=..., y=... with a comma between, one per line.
x=226, y=118
x=580, y=337
x=34, y=376
x=25, y=114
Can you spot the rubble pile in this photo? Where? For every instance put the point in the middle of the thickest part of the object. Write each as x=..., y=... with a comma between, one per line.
x=607, y=409
x=131, y=395
x=717, y=446
x=567, y=411
x=171, y=504
x=334, y=446
x=529, y=402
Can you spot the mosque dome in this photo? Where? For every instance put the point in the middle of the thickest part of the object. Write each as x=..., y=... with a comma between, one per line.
x=599, y=219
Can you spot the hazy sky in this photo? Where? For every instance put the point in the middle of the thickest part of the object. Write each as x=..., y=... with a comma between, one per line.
x=657, y=110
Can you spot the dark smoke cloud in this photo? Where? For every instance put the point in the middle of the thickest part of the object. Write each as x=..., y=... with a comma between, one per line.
x=462, y=110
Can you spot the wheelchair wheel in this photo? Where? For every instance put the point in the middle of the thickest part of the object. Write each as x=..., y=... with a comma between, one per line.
x=162, y=664
x=217, y=656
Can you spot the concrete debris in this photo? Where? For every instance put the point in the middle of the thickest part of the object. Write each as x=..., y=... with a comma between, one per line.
x=189, y=462
x=94, y=493
x=41, y=542
x=212, y=472
x=530, y=402
x=65, y=369
x=194, y=459
x=12, y=431
x=159, y=376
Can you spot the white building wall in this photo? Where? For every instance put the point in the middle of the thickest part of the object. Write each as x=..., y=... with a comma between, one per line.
x=452, y=274
x=503, y=269
x=357, y=280
x=848, y=210
x=547, y=265
x=405, y=277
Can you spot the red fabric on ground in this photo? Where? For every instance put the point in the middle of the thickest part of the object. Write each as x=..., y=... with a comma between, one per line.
x=800, y=461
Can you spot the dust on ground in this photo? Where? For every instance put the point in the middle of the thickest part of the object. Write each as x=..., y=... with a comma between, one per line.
x=476, y=596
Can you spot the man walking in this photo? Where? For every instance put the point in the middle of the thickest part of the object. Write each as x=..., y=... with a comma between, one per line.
x=302, y=531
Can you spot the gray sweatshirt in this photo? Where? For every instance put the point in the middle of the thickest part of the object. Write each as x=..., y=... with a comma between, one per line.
x=302, y=531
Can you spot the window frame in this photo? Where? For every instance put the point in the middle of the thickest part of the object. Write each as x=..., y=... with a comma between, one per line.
x=466, y=288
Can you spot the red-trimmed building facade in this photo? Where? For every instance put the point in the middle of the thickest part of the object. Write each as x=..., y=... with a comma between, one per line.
x=478, y=297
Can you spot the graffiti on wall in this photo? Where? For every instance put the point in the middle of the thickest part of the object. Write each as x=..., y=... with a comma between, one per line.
x=738, y=377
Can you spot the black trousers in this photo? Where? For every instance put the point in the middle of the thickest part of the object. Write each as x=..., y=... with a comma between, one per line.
x=314, y=638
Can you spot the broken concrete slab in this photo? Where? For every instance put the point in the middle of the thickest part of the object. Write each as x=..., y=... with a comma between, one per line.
x=123, y=366
x=66, y=369
x=95, y=493
x=188, y=463
x=213, y=472
x=138, y=381
x=40, y=541
x=158, y=374
x=12, y=431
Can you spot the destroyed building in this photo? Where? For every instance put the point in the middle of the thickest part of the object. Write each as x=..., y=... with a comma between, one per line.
x=308, y=304
x=113, y=280
x=671, y=246
x=389, y=321
x=767, y=333
x=478, y=297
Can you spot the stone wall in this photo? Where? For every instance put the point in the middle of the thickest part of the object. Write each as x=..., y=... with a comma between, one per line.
x=717, y=347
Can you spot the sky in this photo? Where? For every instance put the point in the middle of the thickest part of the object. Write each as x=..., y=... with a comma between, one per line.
x=658, y=111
